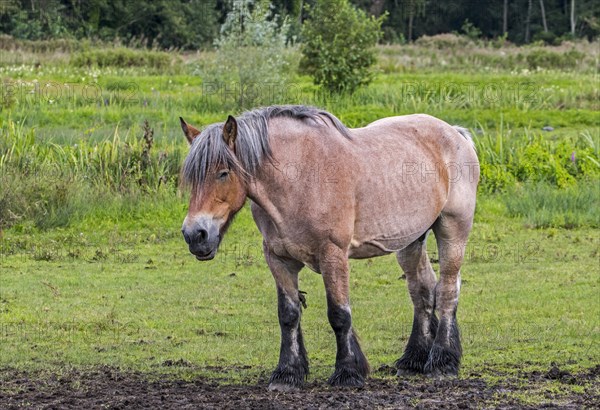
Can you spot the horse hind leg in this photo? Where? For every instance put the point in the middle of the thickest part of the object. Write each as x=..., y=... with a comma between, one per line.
x=421, y=283
x=451, y=234
x=293, y=363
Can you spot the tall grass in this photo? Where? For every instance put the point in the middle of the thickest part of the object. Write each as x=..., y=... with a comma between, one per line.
x=49, y=184
x=459, y=53
x=123, y=57
x=543, y=206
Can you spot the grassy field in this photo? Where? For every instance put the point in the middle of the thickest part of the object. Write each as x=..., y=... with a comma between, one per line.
x=133, y=297
x=93, y=269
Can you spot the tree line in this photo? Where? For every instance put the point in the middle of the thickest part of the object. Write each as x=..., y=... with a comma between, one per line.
x=195, y=24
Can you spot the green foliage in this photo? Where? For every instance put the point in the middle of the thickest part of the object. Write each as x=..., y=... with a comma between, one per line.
x=193, y=24
x=507, y=161
x=510, y=104
x=252, y=53
x=160, y=23
x=251, y=23
x=39, y=21
x=541, y=58
x=500, y=41
x=338, y=45
x=445, y=41
x=390, y=36
x=547, y=37
x=64, y=45
x=470, y=30
x=122, y=57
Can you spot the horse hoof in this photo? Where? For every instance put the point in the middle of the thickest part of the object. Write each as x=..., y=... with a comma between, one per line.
x=407, y=373
x=443, y=362
x=288, y=378
x=346, y=378
x=442, y=372
x=282, y=388
x=438, y=374
x=410, y=365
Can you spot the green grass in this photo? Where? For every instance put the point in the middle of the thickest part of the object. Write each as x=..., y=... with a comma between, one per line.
x=132, y=297
x=542, y=206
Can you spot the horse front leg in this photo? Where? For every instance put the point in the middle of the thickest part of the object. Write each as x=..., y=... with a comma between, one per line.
x=421, y=282
x=351, y=365
x=293, y=362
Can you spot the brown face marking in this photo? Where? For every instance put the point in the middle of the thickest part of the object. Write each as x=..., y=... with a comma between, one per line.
x=221, y=196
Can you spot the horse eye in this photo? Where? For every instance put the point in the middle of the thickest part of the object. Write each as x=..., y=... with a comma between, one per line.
x=223, y=174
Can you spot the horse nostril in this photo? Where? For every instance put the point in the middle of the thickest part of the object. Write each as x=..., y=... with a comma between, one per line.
x=202, y=235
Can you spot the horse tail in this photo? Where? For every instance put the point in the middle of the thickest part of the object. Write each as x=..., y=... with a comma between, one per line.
x=465, y=133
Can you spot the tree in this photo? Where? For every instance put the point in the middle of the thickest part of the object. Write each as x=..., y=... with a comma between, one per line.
x=543, y=11
x=193, y=24
x=163, y=23
x=572, y=17
x=528, y=20
x=414, y=8
x=589, y=18
x=338, y=45
x=505, y=18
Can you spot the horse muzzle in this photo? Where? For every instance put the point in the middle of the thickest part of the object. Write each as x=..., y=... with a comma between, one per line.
x=202, y=237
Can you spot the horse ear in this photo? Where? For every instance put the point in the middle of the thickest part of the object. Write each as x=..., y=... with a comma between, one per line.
x=189, y=131
x=230, y=131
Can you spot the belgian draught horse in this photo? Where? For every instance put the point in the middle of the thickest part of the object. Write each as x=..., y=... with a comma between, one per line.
x=322, y=193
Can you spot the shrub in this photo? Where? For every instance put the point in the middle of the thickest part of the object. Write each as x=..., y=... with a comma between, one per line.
x=338, y=45
x=538, y=163
x=500, y=41
x=470, y=30
x=10, y=43
x=123, y=57
x=549, y=59
x=533, y=159
x=444, y=41
x=252, y=54
x=547, y=37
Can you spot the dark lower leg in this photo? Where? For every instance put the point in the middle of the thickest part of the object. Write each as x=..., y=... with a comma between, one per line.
x=421, y=285
x=444, y=357
x=419, y=345
x=351, y=365
x=293, y=363
x=446, y=351
x=451, y=232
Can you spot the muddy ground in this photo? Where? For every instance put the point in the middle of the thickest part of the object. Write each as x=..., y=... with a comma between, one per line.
x=109, y=388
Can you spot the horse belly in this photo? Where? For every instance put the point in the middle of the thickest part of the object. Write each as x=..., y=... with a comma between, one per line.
x=393, y=222
x=379, y=246
x=392, y=211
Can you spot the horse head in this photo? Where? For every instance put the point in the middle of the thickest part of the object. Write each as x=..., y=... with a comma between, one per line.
x=217, y=189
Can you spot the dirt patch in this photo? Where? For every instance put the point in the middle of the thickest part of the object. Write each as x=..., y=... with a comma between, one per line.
x=112, y=389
